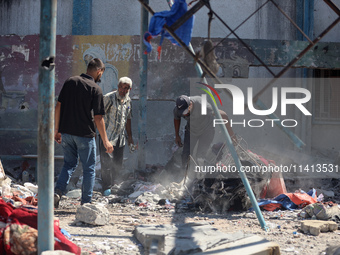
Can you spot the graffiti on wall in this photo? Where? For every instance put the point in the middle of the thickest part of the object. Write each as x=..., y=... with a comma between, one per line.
x=109, y=80
x=19, y=66
x=19, y=77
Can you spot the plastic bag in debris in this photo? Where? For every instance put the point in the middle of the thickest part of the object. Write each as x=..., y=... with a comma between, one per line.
x=31, y=187
x=148, y=187
x=21, y=191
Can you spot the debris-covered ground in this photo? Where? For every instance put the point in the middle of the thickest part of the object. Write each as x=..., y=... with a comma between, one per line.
x=117, y=235
x=192, y=213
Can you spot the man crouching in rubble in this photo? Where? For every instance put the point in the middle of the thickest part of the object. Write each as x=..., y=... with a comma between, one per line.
x=118, y=115
x=80, y=99
x=199, y=129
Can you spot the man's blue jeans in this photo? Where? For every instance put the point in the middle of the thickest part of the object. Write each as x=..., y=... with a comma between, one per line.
x=84, y=148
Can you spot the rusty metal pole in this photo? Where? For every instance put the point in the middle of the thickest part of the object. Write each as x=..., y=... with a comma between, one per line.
x=143, y=73
x=48, y=14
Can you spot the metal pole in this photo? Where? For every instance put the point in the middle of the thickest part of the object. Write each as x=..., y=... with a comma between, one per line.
x=234, y=155
x=233, y=152
x=290, y=134
x=48, y=15
x=143, y=64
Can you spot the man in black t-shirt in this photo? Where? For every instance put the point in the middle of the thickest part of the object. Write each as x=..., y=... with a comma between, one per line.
x=78, y=112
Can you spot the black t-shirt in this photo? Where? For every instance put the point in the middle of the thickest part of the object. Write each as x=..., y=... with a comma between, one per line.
x=81, y=98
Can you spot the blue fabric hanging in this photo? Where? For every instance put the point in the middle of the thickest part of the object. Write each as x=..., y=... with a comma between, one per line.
x=178, y=9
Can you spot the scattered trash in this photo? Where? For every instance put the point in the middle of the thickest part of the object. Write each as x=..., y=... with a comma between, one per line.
x=25, y=176
x=321, y=211
x=107, y=192
x=31, y=187
x=21, y=232
x=76, y=193
x=296, y=234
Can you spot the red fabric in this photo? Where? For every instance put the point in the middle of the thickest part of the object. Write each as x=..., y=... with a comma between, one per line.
x=301, y=199
x=20, y=217
x=159, y=50
x=272, y=207
x=5, y=210
x=275, y=187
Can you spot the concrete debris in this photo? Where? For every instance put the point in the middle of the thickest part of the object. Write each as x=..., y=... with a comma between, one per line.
x=136, y=194
x=321, y=211
x=314, y=227
x=177, y=190
x=147, y=197
x=94, y=214
x=76, y=193
x=56, y=253
x=194, y=238
x=189, y=214
x=123, y=188
x=147, y=186
x=220, y=194
x=333, y=250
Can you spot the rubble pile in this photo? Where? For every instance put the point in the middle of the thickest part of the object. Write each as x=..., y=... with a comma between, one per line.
x=225, y=191
x=167, y=199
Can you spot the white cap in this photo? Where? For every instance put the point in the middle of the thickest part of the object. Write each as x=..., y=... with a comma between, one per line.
x=125, y=80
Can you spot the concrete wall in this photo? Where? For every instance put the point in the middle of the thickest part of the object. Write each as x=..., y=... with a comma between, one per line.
x=115, y=30
x=323, y=17
x=116, y=17
x=23, y=17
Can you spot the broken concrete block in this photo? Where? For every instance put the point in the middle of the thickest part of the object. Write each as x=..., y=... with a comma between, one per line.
x=194, y=238
x=76, y=193
x=94, y=214
x=333, y=250
x=252, y=245
x=314, y=227
x=148, y=197
x=56, y=253
x=136, y=194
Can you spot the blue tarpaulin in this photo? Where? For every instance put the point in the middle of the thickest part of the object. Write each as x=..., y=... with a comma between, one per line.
x=159, y=19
